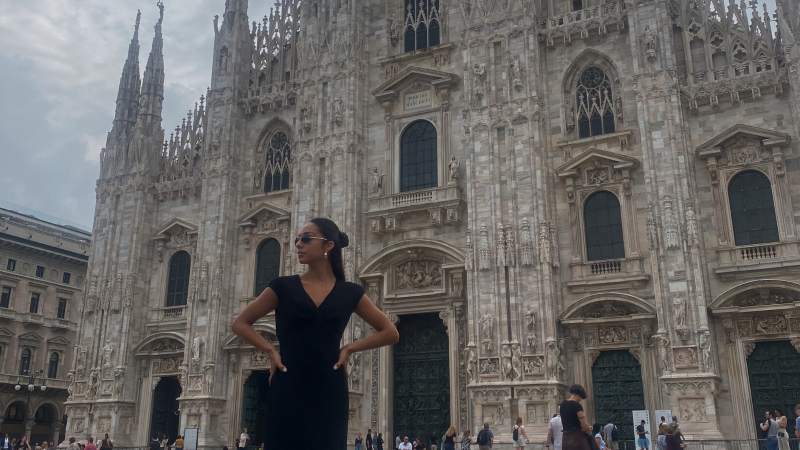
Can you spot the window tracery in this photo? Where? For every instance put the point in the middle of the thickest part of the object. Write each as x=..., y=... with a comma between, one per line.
x=422, y=24
x=276, y=169
x=594, y=103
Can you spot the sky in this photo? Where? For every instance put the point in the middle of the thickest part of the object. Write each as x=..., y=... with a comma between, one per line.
x=60, y=64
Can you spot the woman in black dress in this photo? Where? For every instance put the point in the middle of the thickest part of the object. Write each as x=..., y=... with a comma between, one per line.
x=308, y=377
x=577, y=431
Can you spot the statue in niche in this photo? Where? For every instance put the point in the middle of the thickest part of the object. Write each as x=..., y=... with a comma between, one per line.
x=505, y=357
x=516, y=72
x=480, y=78
x=555, y=365
x=516, y=360
x=650, y=37
x=487, y=328
x=107, y=351
x=453, y=165
x=338, y=113
x=377, y=182
x=472, y=363
x=680, y=310
x=119, y=381
x=619, y=114
x=197, y=344
x=394, y=30
x=705, y=351
x=663, y=351
x=530, y=329
x=570, y=117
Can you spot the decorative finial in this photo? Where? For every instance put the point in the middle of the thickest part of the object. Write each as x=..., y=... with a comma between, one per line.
x=160, y=5
x=138, y=19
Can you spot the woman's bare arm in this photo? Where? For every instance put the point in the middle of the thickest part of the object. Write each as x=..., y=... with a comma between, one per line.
x=385, y=331
x=584, y=425
x=243, y=326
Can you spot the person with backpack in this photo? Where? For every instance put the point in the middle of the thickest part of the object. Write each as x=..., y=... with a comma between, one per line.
x=485, y=438
x=612, y=436
x=518, y=435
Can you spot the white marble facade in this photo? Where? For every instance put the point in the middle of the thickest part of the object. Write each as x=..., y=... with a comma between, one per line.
x=695, y=94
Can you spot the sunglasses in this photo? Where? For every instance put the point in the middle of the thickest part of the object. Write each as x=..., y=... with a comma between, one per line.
x=306, y=238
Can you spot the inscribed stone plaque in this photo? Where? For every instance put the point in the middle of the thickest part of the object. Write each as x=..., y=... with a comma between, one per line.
x=418, y=100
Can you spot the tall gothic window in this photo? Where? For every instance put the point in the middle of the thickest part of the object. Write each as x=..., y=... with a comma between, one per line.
x=595, y=103
x=178, y=284
x=277, y=166
x=25, y=362
x=421, y=24
x=268, y=264
x=418, y=157
x=752, y=209
x=603, y=222
x=52, y=368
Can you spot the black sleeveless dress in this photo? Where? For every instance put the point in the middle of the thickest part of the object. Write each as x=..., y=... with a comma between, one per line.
x=310, y=397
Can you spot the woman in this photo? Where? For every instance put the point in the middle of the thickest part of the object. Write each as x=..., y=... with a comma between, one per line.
x=672, y=439
x=449, y=442
x=106, y=443
x=783, y=436
x=576, y=430
x=519, y=444
x=643, y=442
x=23, y=444
x=44, y=446
x=73, y=445
x=178, y=443
x=379, y=442
x=359, y=441
x=466, y=442
x=598, y=437
x=661, y=442
x=311, y=313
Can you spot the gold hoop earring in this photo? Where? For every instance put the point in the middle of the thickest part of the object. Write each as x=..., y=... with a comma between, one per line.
x=326, y=255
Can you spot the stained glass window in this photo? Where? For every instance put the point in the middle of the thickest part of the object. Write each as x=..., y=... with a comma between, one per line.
x=752, y=209
x=268, y=264
x=421, y=24
x=595, y=103
x=277, y=165
x=603, y=222
x=178, y=284
x=418, y=167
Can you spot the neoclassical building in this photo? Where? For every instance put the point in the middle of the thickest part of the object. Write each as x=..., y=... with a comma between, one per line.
x=538, y=193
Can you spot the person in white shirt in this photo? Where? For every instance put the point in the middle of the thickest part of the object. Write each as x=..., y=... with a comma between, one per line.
x=397, y=442
x=555, y=431
x=243, y=438
x=405, y=445
x=6, y=442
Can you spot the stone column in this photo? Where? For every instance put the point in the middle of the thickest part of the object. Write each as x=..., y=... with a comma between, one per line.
x=56, y=431
x=740, y=386
x=149, y=384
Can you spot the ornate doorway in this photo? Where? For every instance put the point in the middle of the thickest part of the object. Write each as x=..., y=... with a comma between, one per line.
x=421, y=377
x=254, y=406
x=618, y=390
x=166, y=416
x=772, y=369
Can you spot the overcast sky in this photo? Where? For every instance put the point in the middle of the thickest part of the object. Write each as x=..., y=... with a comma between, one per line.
x=60, y=64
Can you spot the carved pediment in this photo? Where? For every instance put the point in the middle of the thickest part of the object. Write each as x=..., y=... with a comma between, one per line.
x=30, y=338
x=593, y=166
x=750, y=140
x=607, y=307
x=418, y=272
x=760, y=295
x=408, y=77
x=264, y=217
x=58, y=341
x=5, y=333
x=178, y=231
x=165, y=345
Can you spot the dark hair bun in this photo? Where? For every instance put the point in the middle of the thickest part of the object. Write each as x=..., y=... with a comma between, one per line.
x=344, y=241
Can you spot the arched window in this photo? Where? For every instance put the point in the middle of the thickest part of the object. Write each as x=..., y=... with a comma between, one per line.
x=752, y=209
x=418, y=166
x=15, y=413
x=52, y=367
x=595, y=103
x=178, y=287
x=603, y=221
x=25, y=362
x=43, y=415
x=268, y=264
x=421, y=24
x=277, y=166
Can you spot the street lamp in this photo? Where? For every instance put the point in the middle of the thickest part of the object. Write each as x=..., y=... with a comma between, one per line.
x=31, y=378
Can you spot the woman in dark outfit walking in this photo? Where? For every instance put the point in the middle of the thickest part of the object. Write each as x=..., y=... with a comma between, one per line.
x=308, y=377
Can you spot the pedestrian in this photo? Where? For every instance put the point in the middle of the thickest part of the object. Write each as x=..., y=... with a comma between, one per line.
x=419, y=445
x=449, y=441
x=379, y=442
x=485, y=438
x=796, y=421
x=612, y=435
x=178, y=443
x=73, y=445
x=397, y=442
x=661, y=440
x=672, y=439
x=771, y=427
x=643, y=442
x=466, y=441
x=359, y=442
x=783, y=436
x=577, y=431
x=5, y=442
x=435, y=442
x=405, y=445
x=518, y=435
x=369, y=439
x=244, y=439
x=44, y=445
x=598, y=436
x=311, y=329
x=162, y=441
x=555, y=431
x=155, y=444
x=106, y=443
x=90, y=444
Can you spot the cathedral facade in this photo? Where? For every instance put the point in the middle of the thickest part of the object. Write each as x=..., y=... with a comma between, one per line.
x=537, y=193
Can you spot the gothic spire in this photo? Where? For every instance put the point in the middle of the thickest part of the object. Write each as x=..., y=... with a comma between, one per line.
x=129, y=85
x=153, y=81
